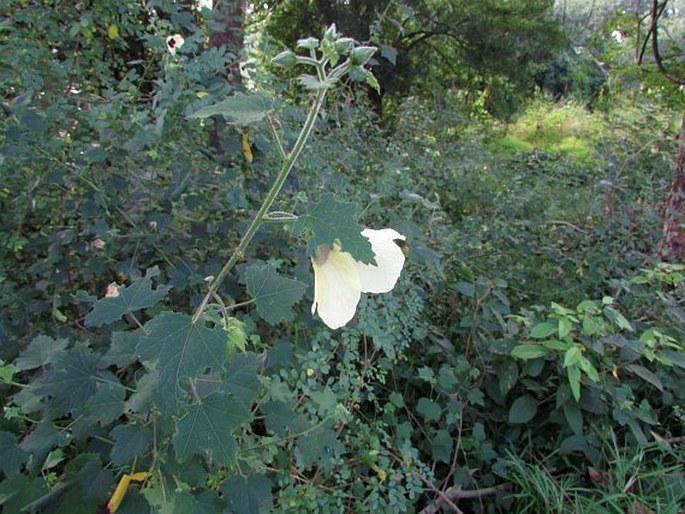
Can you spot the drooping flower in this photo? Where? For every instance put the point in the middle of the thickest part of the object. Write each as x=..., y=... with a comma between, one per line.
x=174, y=42
x=339, y=279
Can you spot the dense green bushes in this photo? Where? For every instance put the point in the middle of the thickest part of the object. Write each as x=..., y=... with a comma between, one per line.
x=530, y=354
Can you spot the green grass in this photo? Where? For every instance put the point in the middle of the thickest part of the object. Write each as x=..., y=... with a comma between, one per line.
x=629, y=480
x=567, y=128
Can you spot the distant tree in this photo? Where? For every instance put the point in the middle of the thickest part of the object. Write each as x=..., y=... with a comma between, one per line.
x=672, y=67
x=228, y=28
x=489, y=48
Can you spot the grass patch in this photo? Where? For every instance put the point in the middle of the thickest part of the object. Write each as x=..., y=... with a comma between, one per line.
x=566, y=128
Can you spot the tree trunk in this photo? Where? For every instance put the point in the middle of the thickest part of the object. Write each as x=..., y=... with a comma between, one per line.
x=228, y=28
x=230, y=21
x=672, y=246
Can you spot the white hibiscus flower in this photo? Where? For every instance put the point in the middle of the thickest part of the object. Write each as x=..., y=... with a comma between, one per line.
x=339, y=279
x=174, y=42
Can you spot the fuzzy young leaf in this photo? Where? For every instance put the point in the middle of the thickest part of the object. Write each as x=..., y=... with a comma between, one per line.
x=248, y=495
x=207, y=427
x=331, y=220
x=180, y=351
x=361, y=55
x=286, y=59
x=310, y=43
x=313, y=83
x=239, y=109
x=138, y=295
x=274, y=294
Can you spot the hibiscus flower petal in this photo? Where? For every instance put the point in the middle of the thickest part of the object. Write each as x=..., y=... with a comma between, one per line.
x=337, y=288
x=382, y=277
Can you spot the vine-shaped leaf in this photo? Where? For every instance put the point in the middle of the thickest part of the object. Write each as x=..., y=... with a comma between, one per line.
x=70, y=381
x=331, y=220
x=11, y=456
x=248, y=495
x=207, y=427
x=42, y=350
x=273, y=294
x=180, y=351
x=138, y=295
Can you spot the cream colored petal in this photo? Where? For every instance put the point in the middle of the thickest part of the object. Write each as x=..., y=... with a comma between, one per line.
x=337, y=288
x=382, y=277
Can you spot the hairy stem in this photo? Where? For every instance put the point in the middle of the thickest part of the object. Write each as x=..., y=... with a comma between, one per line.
x=287, y=166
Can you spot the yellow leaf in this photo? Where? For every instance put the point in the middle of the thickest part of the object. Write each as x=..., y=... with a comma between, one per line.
x=201, y=94
x=247, y=151
x=141, y=476
x=119, y=494
x=112, y=31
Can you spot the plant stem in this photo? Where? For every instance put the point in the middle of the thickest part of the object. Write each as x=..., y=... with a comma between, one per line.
x=288, y=164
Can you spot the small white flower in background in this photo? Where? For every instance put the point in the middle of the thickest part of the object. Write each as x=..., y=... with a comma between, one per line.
x=112, y=290
x=339, y=279
x=174, y=42
x=95, y=244
x=208, y=4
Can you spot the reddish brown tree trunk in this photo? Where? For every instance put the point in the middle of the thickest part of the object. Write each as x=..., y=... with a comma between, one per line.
x=672, y=246
x=231, y=20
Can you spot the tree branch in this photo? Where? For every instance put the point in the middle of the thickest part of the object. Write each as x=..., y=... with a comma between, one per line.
x=457, y=493
x=657, y=10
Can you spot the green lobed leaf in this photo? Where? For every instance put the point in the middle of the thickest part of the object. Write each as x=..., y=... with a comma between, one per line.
x=248, y=495
x=242, y=377
x=42, y=350
x=523, y=409
x=70, y=382
x=130, y=442
x=42, y=439
x=281, y=419
x=207, y=428
x=273, y=294
x=19, y=491
x=318, y=447
x=138, y=295
x=326, y=400
x=429, y=410
x=331, y=220
x=122, y=350
x=12, y=457
x=107, y=404
x=441, y=446
x=239, y=109
x=180, y=351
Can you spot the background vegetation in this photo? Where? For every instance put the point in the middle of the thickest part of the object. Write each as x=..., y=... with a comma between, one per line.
x=531, y=357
